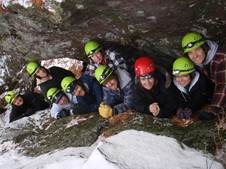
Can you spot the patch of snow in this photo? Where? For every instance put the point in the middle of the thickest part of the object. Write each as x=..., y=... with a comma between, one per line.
x=80, y=6
x=3, y=68
x=129, y=149
x=137, y=149
x=140, y=13
x=65, y=63
x=28, y=3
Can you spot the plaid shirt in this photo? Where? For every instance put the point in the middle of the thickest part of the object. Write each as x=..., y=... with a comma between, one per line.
x=218, y=76
x=121, y=100
x=113, y=59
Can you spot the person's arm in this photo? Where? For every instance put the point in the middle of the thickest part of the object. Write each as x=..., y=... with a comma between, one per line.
x=128, y=100
x=97, y=92
x=116, y=59
x=55, y=109
x=17, y=113
x=219, y=96
x=39, y=102
x=169, y=105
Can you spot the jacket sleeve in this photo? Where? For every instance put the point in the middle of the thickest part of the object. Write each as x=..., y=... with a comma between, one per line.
x=169, y=105
x=219, y=96
x=39, y=102
x=18, y=114
x=128, y=100
x=141, y=103
x=55, y=109
x=80, y=108
x=97, y=92
x=116, y=60
x=202, y=95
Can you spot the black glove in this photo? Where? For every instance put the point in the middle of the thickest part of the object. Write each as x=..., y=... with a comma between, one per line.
x=203, y=115
x=184, y=113
x=63, y=113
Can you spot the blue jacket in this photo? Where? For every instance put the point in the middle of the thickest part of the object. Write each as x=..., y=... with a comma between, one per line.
x=93, y=97
x=122, y=99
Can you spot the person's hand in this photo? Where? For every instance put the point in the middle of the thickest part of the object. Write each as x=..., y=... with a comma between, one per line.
x=37, y=89
x=105, y=111
x=154, y=109
x=184, y=113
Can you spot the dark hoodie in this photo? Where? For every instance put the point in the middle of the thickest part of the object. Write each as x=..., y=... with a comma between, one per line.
x=32, y=102
x=160, y=94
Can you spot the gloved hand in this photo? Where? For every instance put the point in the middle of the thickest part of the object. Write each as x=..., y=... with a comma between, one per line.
x=105, y=111
x=206, y=115
x=184, y=113
x=63, y=113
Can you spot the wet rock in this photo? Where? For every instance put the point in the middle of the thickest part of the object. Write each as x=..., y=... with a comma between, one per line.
x=59, y=30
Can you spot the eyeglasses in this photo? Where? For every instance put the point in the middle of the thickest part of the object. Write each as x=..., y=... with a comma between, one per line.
x=191, y=44
x=148, y=76
x=90, y=54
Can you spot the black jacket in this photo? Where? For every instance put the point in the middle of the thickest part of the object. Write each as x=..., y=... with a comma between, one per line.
x=32, y=102
x=198, y=94
x=57, y=74
x=160, y=94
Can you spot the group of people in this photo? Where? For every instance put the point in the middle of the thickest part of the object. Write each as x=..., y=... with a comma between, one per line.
x=196, y=87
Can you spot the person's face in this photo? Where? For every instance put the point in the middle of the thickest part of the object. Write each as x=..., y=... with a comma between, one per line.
x=97, y=57
x=111, y=84
x=18, y=101
x=197, y=55
x=79, y=91
x=41, y=72
x=183, y=80
x=147, y=83
x=63, y=100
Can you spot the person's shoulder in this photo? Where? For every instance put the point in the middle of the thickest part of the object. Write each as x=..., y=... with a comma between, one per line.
x=54, y=68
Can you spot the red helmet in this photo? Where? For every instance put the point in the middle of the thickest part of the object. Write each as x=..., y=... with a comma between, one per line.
x=144, y=65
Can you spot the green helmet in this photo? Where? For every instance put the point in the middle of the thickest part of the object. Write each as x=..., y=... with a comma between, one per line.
x=102, y=72
x=67, y=82
x=92, y=47
x=10, y=96
x=52, y=94
x=32, y=68
x=192, y=40
x=182, y=66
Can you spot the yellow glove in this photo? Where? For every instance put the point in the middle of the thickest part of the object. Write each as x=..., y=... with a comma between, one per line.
x=105, y=111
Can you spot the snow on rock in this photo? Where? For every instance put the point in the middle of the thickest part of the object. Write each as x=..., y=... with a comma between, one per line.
x=127, y=150
x=30, y=3
x=65, y=63
x=3, y=68
x=37, y=120
x=140, y=150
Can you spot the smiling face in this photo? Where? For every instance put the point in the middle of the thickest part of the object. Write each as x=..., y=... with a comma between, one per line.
x=18, y=101
x=183, y=80
x=111, y=83
x=197, y=55
x=97, y=57
x=148, y=84
x=63, y=100
x=41, y=72
x=79, y=91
